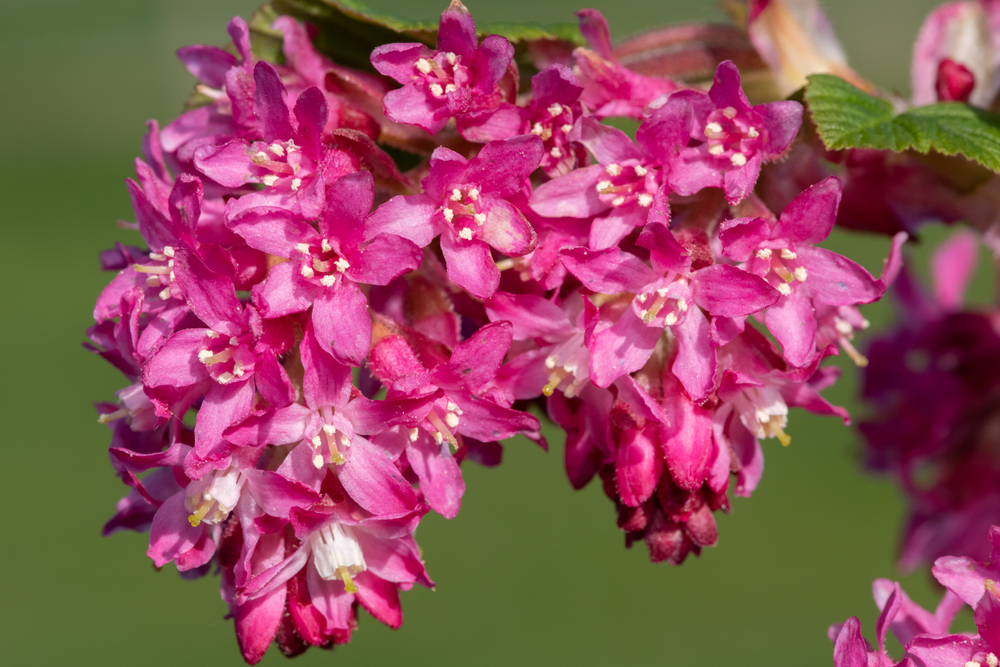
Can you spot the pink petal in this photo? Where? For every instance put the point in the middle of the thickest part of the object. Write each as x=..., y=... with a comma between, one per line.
x=171, y=534
x=507, y=230
x=269, y=104
x=341, y=320
x=257, y=623
x=408, y=217
x=470, y=265
x=325, y=381
x=571, y=196
x=837, y=281
x=621, y=348
x=792, y=322
x=275, y=231
x=373, y=481
x=607, y=271
x=952, y=266
x=380, y=598
x=809, y=217
x=638, y=465
x=726, y=291
x=440, y=477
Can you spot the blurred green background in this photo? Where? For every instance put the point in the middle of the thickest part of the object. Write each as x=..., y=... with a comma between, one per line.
x=531, y=572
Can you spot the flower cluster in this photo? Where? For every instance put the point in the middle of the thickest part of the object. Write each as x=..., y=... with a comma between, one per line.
x=315, y=340
x=933, y=385
x=925, y=635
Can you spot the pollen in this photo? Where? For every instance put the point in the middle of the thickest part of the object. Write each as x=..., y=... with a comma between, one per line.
x=296, y=184
x=456, y=195
x=753, y=133
x=555, y=152
x=451, y=58
x=567, y=128
x=302, y=247
x=800, y=274
x=645, y=200
x=991, y=660
x=450, y=88
x=414, y=434
x=449, y=214
x=618, y=201
x=784, y=289
x=713, y=130
x=642, y=298
x=614, y=169
x=277, y=149
x=307, y=271
x=342, y=264
x=168, y=250
x=424, y=66
x=480, y=218
x=474, y=194
x=682, y=305
x=466, y=234
x=738, y=159
x=537, y=129
x=328, y=280
x=604, y=186
x=716, y=149
x=671, y=319
x=729, y=112
x=787, y=254
x=451, y=419
x=640, y=171
x=269, y=180
x=555, y=109
x=764, y=253
x=436, y=89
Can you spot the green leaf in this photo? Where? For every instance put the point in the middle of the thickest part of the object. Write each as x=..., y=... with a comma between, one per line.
x=847, y=117
x=349, y=30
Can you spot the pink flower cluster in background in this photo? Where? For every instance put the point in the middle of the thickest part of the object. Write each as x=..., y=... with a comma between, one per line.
x=315, y=339
x=925, y=635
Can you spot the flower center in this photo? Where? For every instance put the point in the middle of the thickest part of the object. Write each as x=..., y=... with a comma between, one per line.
x=159, y=271
x=337, y=554
x=625, y=184
x=568, y=365
x=226, y=359
x=782, y=269
x=732, y=136
x=553, y=124
x=213, y=497
x=764, y=412
x=442, y=74
x=322, y=264
x=463, y=209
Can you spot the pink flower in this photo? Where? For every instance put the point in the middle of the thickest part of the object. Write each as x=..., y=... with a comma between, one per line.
x=462, y=76
x=327, y=264
x=735, y=137
x=466, y=202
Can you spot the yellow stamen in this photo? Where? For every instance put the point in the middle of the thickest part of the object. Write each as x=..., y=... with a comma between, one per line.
x=442, y=428
x=780, y=434
x=111, y=416
x=158, y=270
x=345, y=574
x=859, y=359
x=554, y=379
x=195, y=519
x=784, y=274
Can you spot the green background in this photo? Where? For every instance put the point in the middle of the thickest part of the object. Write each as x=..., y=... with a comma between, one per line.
x=530, y=572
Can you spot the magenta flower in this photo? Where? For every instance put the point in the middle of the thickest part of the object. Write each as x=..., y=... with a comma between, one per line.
x=462, y=76
x=735, y=139
x=783, y=253
x=668, y=296
x=327, y=264
x=227, y=362
x=610, y=88
x=625, y=190
x=466, y=202
x=228, y=81
x=550, y=115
